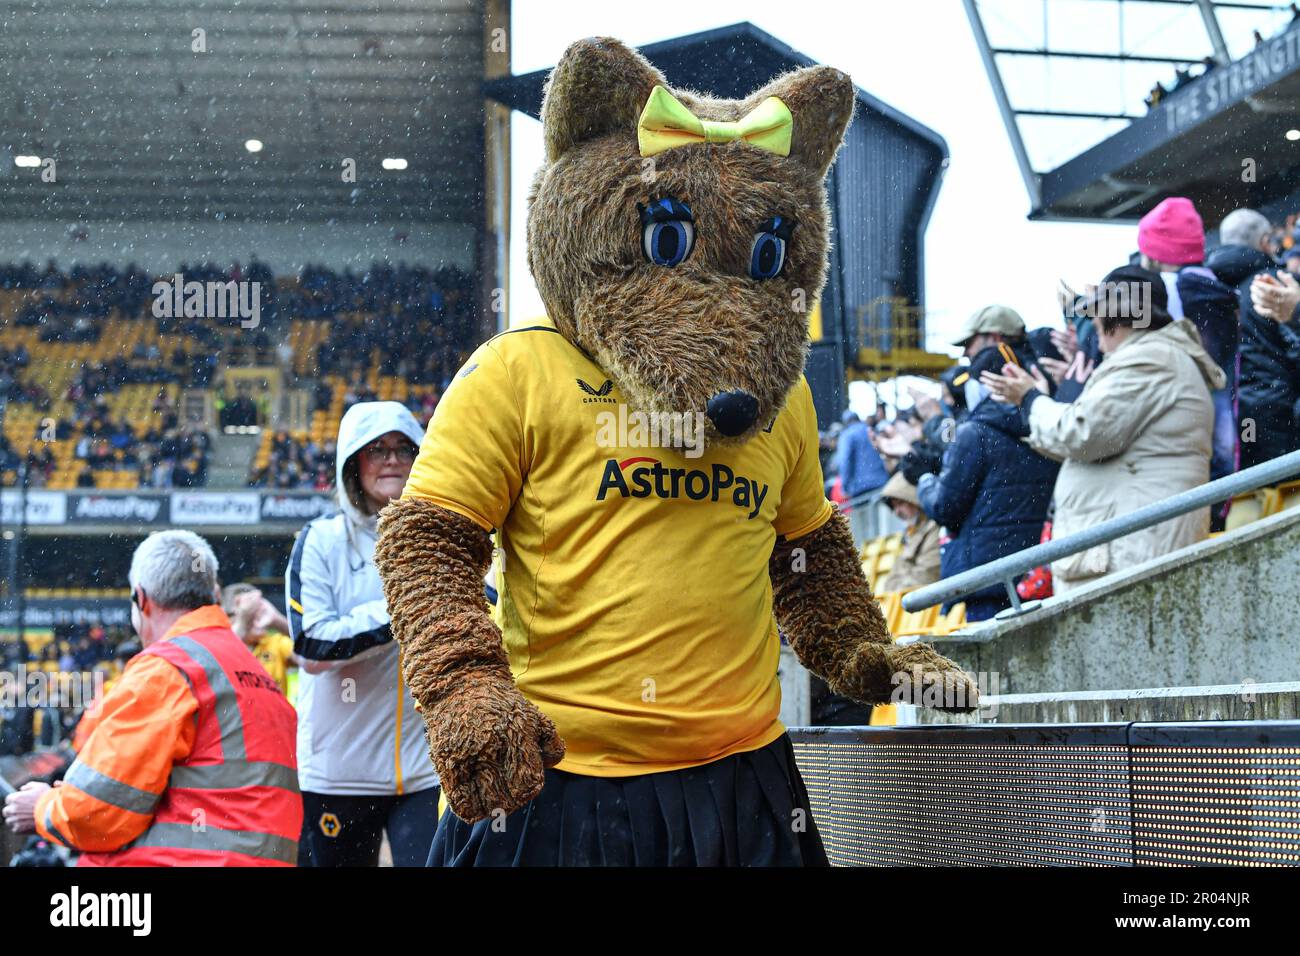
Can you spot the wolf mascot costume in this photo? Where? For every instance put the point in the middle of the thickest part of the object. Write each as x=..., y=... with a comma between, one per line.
x=621, y=708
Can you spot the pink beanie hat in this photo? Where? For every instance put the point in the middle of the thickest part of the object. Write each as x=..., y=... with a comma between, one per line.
x=1173, y=233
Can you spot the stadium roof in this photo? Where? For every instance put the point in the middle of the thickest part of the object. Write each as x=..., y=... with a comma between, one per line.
x=144, y=126
x=1097, y=139
x=1220, y=140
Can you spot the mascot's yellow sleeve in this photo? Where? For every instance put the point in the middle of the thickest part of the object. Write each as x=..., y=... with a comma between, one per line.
x=804, y=506
x=472, y=458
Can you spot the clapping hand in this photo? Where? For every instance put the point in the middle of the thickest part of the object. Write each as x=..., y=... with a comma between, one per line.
x=1275, y=297
x=926, y=407
x=1014, y=384
x=1066, y=342
x=1077, y=369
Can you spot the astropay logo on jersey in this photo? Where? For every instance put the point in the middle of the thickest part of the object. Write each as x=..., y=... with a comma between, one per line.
x=647, y=477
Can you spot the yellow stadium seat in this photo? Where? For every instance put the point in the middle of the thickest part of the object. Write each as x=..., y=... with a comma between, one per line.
x=918, y=622
x=1288, y=495
x=884, y=715
x=954, y=620
x=891, y=606
x=1245, y=508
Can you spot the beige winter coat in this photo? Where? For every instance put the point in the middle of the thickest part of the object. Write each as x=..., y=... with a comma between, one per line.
x=918, y=563
x=1139, y=432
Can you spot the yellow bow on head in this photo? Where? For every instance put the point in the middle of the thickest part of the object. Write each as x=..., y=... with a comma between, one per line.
x=666, y=123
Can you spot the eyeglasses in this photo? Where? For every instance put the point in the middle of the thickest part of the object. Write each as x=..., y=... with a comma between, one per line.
x=377, y=454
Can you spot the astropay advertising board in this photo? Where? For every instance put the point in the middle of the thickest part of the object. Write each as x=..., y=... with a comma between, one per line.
x=148, y=508
x=200, y=508
x=43, y=507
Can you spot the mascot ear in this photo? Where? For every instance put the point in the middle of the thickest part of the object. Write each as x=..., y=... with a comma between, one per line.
x=821, y=101
x=599, y=86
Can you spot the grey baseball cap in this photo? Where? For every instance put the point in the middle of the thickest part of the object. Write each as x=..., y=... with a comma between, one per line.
x=991, y=318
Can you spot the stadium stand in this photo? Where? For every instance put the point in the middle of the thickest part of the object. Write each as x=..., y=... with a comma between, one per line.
x=93, y=383
x=81, y=660
x=878, y=556
x=1263, y=503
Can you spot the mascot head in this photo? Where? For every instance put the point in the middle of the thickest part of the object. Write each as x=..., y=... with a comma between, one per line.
x=680, y=240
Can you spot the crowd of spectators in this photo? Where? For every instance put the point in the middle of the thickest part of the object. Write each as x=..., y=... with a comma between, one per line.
x=295, y=464
x=304, y=464
x=165, y=454
x=67, y=306
x=410, y=322
x=13, y=364
x=75, y=650
x=1179, y=367
x=398, y=320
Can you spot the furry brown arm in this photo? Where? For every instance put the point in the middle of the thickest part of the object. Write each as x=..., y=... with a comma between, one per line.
x=825, y=609
x=489, y=744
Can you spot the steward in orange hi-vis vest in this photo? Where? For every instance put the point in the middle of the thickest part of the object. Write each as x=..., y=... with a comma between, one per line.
x=190, y=761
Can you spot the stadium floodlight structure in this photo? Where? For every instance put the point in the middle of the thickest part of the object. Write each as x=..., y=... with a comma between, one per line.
x=1110, y=105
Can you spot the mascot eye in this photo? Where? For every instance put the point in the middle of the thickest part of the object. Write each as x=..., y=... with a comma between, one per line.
x=767, y=254
x=667, y=231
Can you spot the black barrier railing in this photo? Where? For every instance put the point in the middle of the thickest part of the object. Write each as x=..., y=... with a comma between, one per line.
x=1218, y=793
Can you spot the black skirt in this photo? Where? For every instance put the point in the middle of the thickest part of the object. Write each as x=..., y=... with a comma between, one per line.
x=749, y=809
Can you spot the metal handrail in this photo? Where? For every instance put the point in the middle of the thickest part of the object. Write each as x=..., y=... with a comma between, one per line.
x=1004, y=570
x=866, y=498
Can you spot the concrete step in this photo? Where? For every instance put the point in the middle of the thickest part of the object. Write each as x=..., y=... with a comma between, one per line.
x=1245, y=701
x=230, y=458
x=1225, y=611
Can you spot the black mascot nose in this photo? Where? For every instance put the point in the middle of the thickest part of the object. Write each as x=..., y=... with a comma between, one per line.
x=732, y=413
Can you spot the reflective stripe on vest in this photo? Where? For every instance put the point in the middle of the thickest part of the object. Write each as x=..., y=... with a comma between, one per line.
x=105, y=788
x=183, y=836
x=52, y=829
x=234, y=774
x=225, y=705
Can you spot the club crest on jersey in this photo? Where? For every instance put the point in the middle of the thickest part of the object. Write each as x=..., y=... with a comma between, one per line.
x=650, y=478
x=598, y=395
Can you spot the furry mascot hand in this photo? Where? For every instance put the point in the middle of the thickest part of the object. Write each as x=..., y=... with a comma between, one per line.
x=824, y=606
x=489, y=744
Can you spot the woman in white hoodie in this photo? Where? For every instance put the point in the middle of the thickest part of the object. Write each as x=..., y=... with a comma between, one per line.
x=363, y=765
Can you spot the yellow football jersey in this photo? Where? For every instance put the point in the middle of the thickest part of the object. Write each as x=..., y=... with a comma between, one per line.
x=634, y=595
x=275, y=651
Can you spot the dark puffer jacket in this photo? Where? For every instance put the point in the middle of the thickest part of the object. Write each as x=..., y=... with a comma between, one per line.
x=1213, y=307
x=991, y=496
x=1268, y=389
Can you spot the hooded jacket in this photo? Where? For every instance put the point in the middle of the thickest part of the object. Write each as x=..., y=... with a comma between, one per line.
x=1139, y=432
x=991, y=496
x=1268, y=391
x=358, y=731
x=917, y=562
